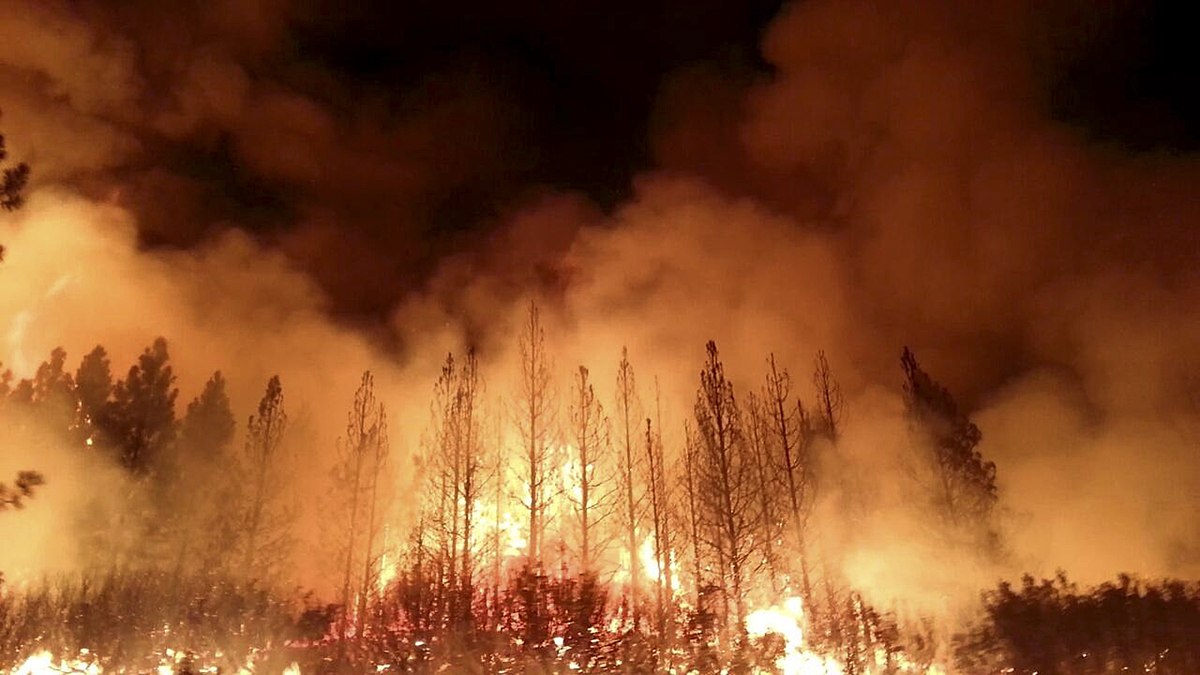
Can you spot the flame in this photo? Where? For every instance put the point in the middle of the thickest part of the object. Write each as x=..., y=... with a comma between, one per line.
x=786, y=622
x=515, y=543
x=43, y=663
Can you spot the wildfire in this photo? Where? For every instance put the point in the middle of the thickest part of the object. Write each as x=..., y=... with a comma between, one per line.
x=43, y=663
x=786, y=621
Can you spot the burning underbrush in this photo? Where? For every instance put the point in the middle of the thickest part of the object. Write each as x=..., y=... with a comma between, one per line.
x=166, y=623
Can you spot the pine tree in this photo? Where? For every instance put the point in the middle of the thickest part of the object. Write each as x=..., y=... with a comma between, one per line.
x=629, y=471
x=460, y=476
x=535, y=420
x=362, y=457
x=791, y=433
x=590, y=491
x=267, y=514
x=196, y=479
x=142, y=417
x=726, y=487
x=94, y=389
x=964, y=491
x=13, y=181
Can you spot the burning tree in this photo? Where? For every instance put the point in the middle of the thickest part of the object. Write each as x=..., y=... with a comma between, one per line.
x=791, y=435
x=93, y=389
x=628, y=464
x=535, y=419
x=362, y=455
x=725, y=485
x=661, y=516
x=589, y=489
x=767, y=485
x=460, y=475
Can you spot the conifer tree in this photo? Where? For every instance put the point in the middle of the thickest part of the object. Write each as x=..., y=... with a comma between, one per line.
x=964, y=482
x=142, y=418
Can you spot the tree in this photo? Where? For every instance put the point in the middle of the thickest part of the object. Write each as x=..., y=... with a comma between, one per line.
x=660, y=519
x=460, y=475
x=757, y=424
x=208, y=425
x=204, y=437
x=362, y=456
x=629, y=463
x=964, y=493
x=93, y=389
x=727, y=502
x=142, y=417
x=830, y=402
x=590, y=491
x=12, y=183
x=267, y=515
x=535, y=419
x=792, y=434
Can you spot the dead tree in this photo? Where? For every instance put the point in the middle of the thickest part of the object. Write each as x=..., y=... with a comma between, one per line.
x=759, y=442
x=362, y=456
x=627, y=414
x=590, y=491
x=726, y=487
x=830, y=402
x=460, y=474
x=791, y=433
x=267, y=516
x=535, y=419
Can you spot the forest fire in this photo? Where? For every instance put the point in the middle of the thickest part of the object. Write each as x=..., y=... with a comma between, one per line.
x=825, y=337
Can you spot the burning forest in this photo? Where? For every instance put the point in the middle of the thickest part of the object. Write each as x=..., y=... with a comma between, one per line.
x=817, y=338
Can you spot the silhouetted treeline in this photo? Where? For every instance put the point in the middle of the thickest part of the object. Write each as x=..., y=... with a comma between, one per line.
x=1053, y=627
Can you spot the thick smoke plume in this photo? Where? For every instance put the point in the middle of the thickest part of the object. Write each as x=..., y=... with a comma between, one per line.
x=898, y=179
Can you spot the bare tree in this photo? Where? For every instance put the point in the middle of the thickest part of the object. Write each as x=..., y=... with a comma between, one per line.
x=757, y=424
x=590, y=492
x=362, y=455
x=535, y=419
x=791, y=431
x=628, y=469
x=461, y=475
x=726, y=486
x=830, y=402
x=267, y=516
x=689, y=477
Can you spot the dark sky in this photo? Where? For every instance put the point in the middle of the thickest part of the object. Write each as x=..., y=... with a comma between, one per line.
x=585, y=74
x=381, y=136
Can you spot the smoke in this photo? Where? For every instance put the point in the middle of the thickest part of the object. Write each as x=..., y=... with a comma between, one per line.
x=897, y=179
